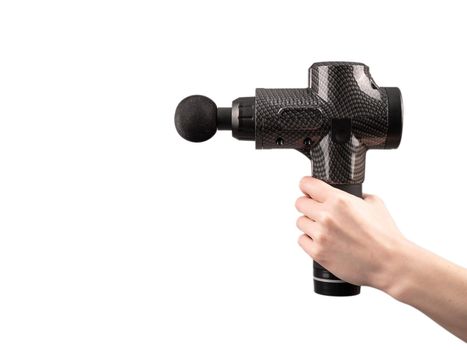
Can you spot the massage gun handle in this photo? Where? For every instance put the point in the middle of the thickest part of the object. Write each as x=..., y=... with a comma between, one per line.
x=324, y=281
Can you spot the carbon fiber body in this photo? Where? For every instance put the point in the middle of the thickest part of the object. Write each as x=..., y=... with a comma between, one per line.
x=305, y=119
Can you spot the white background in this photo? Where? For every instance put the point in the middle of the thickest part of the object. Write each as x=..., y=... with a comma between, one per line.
x=117, y=234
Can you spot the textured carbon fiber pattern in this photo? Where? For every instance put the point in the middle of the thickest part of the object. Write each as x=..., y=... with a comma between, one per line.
x=302, y=119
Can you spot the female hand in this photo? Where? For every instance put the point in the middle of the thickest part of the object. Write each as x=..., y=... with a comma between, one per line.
x=353, y=238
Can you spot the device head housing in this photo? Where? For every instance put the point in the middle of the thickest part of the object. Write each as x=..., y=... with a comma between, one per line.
x=333, y=121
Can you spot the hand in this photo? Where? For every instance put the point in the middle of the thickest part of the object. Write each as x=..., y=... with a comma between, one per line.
x=357, y=240
x=353, y=238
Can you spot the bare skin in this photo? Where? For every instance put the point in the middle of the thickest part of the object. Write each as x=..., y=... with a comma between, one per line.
x=358, y=241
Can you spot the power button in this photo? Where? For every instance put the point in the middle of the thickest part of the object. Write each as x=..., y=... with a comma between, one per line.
x=341, y=130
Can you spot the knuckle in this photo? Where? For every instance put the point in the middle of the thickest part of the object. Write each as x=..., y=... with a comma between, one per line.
x=301, y=240
x=299, y=222
x=318, y=237
x=319, y=253
x=338, y=202
x=304, y=181
x=326, y=219
x=298, y=203
x=321, y=238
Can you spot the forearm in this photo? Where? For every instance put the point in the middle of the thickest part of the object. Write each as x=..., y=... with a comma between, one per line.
x=431, y=284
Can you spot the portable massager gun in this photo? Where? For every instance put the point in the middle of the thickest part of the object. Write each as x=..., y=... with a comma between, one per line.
x=334, y=121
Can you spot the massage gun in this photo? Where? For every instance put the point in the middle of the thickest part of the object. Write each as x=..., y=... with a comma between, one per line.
x=334, y=121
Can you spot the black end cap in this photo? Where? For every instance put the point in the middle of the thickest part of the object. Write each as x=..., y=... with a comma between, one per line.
x=196, y=118
x=336, y=289
x=395, y=117
x=328, y=284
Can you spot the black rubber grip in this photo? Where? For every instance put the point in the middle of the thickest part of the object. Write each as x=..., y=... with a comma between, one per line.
x=324, y=281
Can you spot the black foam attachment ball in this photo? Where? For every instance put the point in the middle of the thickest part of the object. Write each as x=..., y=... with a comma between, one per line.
x=196, y=118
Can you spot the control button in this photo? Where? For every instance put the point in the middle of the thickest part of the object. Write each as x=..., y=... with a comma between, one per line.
x=341, y=130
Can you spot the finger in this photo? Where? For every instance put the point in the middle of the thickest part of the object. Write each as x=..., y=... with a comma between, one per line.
x=307, y=226
x=307, y=245
x=309, y=207
x=316, y=189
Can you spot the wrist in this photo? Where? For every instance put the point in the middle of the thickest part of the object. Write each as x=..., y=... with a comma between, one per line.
x=396, y=277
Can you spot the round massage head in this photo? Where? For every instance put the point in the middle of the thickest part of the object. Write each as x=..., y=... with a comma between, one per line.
x=196, y=118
